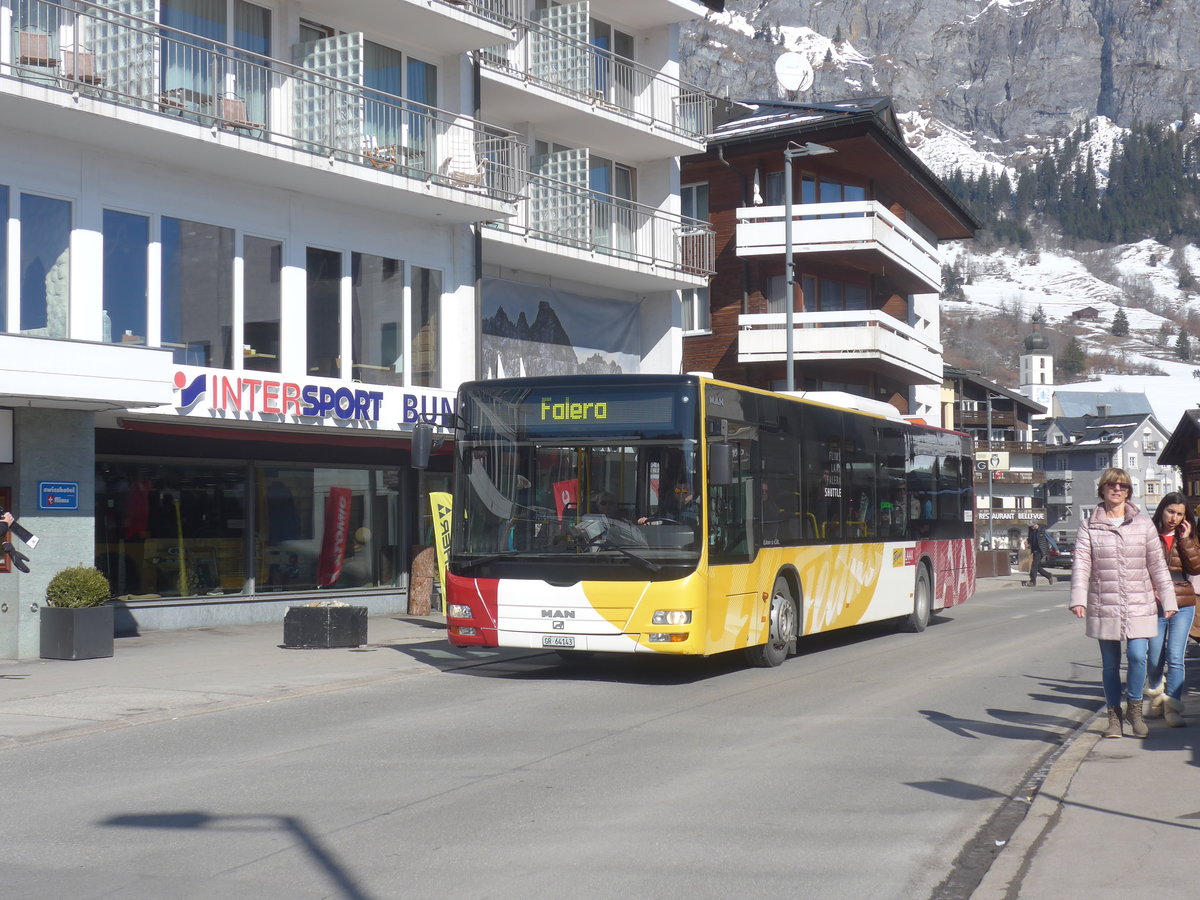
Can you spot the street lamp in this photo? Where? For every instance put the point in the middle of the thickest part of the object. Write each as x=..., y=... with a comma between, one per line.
x=790, y=152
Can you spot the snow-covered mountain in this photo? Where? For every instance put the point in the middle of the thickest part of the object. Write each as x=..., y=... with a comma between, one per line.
x=991, y=85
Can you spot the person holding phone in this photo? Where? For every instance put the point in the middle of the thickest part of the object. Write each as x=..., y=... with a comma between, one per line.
x=1120, y=577
x=1176, y=526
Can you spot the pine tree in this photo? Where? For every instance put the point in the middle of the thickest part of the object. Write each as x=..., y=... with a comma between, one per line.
x=1120, y=324
x=1074, y=359
x=1183, y=346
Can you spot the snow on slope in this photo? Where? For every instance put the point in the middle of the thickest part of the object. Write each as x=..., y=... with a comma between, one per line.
x=1060, y=285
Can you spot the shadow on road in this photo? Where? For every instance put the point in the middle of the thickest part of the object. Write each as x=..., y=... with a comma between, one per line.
x=196, y=820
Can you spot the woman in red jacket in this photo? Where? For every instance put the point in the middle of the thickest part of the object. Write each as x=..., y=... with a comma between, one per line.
x=1176, y=526
x=1118, y=576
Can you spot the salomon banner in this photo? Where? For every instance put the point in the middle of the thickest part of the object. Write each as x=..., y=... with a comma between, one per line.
x=333, y=538
x=442, y=505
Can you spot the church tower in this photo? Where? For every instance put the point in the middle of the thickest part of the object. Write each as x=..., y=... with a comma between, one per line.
x=1037, y=365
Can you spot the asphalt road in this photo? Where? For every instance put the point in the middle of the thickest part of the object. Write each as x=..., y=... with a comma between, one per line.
x=858, y=769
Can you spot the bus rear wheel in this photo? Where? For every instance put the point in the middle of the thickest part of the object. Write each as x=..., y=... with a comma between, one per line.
x=785, y=622
x=922, y=603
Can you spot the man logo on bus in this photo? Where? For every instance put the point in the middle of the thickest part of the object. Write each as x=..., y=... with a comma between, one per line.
x=558, y=613
x=566, y=411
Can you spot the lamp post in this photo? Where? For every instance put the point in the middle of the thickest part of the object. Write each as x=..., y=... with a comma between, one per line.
x=790, y=152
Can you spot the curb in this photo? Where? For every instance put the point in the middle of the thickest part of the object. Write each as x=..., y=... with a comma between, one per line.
x=1003, y=878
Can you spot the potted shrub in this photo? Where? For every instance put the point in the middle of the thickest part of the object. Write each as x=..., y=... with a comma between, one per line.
x=77, y=622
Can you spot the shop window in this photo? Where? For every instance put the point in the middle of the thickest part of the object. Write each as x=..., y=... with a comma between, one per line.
x=125, y=278
x=323, y=528
x=197, y=292
x=377, y=318
x=45, y=266
x=171, y=530
x=324, y=269
x=425, y=327
x=262, y=298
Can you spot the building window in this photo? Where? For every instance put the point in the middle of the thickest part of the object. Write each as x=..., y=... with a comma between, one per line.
x=777, y=297
x=695, y=309
x=324, y=269
x=125, y=279
x=1102, y=461
x=377, y=319
x=4, y=260
x=1131, y=461
x=197, y=292
x=262, y=301
x=426, y=305
x=45, y=266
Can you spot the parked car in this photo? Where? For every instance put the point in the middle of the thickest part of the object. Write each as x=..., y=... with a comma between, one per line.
x=1062, y=554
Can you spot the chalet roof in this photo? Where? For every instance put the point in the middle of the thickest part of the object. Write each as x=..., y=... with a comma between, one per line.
x=1095, y=431
x=1083, y=403
x=977, y=379
x=868, y=139
x=1182, y=442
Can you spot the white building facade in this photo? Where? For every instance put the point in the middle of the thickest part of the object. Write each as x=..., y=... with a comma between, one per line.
x=249, y=245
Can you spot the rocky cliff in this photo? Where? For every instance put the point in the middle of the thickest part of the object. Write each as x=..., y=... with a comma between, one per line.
x=1012, y=72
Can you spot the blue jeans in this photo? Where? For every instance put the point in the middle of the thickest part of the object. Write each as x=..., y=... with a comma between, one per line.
x=1172, y=638
x=1110, y=656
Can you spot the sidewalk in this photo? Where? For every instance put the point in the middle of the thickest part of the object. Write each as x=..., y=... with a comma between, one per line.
x=169, y=674
x=1113, y=818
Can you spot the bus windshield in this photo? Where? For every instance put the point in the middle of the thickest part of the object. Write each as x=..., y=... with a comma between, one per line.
x=621, y=493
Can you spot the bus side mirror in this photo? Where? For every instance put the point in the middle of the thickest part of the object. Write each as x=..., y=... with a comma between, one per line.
x=422, y=445
x=720, y=464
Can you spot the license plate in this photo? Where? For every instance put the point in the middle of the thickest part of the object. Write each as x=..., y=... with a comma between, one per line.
x=558, y=640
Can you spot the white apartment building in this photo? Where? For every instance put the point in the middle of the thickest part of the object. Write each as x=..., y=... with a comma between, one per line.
x=248, y=245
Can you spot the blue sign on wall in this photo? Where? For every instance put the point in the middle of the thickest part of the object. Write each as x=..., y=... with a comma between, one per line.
x=58, y=495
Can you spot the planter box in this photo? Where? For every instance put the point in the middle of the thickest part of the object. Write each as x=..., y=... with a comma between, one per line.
x=76, y=633
x=319, y=627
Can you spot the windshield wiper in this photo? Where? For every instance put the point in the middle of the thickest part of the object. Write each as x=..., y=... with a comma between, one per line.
x=481, y=560
x=606, y=544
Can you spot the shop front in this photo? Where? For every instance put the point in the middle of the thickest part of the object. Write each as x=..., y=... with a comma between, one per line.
x=249, y=495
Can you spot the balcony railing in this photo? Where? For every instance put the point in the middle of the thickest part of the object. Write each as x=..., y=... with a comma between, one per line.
x=1011, y=446
x=583, y=72
x=1001, y=477
x=841, y=227
x=573, y=216
x=999, y=419
x=140, y=64
x=849, y=334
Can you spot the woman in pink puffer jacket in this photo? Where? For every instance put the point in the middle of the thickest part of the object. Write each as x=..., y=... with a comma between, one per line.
x=1119, y=579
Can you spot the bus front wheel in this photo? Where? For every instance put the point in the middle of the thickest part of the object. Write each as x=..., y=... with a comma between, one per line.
x=785, y=621
x=922, y=603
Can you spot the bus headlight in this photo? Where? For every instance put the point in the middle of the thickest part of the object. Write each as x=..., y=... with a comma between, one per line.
x=672, y=617
x=671, y=637
x=459, y=611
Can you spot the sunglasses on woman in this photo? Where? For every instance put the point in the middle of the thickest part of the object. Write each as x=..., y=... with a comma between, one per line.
x=1117, y=485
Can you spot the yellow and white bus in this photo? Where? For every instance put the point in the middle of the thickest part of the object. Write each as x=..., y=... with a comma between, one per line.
x=683, y=515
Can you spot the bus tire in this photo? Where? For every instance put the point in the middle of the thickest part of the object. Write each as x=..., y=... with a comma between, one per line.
x=785, y=621
x=922, y=602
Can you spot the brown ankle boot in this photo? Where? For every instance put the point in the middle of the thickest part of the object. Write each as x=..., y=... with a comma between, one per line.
x=1137, y=723
x=1114, y=729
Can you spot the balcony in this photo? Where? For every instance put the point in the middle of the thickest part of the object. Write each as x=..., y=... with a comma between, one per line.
x=979, y=418
x=211, y=107
x=1002, y=477
x=896, y=349
x=444, y=27
x=1012, y=446
x=569, y=231
x=587, y=91
x=862, y=233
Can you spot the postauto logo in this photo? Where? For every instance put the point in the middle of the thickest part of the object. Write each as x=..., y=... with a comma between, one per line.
x=265, y=395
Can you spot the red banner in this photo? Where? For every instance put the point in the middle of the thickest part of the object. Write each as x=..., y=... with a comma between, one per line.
x=333, y=539
x=566, y=494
